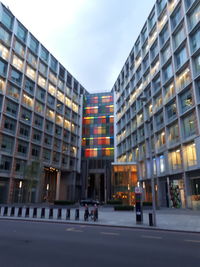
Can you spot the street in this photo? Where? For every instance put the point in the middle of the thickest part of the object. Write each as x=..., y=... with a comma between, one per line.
x=48, y=244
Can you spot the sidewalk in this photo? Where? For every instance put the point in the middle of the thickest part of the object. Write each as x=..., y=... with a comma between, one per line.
x=167, y=219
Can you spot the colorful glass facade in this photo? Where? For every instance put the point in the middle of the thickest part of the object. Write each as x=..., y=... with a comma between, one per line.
x=98, y=128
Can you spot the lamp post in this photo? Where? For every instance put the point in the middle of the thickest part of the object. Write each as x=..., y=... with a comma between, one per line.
x=20, y=192
x=144, y=99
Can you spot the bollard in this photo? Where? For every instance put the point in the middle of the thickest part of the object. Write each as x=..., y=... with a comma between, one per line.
x=19, y=212
x=150, y=219
x=59, y=213
x=77, y=214
x=34, y=212
x=27, y=212
x=12, y=213
x=50, y=213
x=68, y=214
x=5, y=213
x=43, y=213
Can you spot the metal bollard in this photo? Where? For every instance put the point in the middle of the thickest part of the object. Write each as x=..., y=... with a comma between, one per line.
x=12, y=213
x=50, y=213
x=43, y=213
x=5, y=213
x=19, y=212
x=68, y=214
x=59, y=213
x=27, y=212
x=77, y=214
x=34, y=212
x=150, y=219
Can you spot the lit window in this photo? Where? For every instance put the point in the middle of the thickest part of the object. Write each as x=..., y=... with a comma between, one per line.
x=190, y=155
x=17, y=62
x=30, y=73
x=41, y=81
x=4, y=52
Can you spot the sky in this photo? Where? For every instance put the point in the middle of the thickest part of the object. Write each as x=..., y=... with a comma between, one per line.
x=90, y=38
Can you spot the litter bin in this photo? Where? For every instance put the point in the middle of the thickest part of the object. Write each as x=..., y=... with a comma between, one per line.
x=150, y=219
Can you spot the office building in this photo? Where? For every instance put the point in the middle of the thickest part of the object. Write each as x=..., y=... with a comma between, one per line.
x=157, y=111
x=40, y=120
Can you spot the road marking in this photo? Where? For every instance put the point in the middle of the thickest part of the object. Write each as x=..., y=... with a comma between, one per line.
x=108, y=233
x=193, y=241
x=151, y=237
x=73, y=230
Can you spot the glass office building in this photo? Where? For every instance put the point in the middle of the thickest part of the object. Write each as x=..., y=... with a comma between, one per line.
x=40, y=118
x=157, y=97
x=97, y=145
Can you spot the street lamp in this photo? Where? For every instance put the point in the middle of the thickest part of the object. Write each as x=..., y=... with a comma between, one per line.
x=144, y=99
x=20, y=191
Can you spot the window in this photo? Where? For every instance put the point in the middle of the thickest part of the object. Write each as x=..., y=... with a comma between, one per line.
x=61, y=72
x=20, y=166
x=162, y=163
x=183, y=79
x=5, y=36
x=16, y=77
x=169, y=91
x=160, y=140
x=4, y=52
x=194, y=16
x=38, y=121
x=22, y=148
x=41, y=81
x=166, y=54
x=186, y=100
x=7, y=19
x=32, y=59
x=176, y=17
x=171, y=111
x=47, y=140
x=173, y=134
x=7, y=143
x=50, y=114
x=156, y=84
x=27, y=100
x=179, y=37
x=2, y=85
x=43, y=68
x=195, y=40
x=19, y=48
x=9, y=125
x=26, y=115
x=40, y=94
x=152, y=20
x=53, y=64
x=35, y=151
x=39, y=107
x=49, y=126
x=157, y=102
x=167, y=72
x=189, y=125
x=175, y=161
x=5, y=163
x=11, y=108
x=181, y=57
x=3, y=68
x=197, y=64
x=159, y=120
x=190, y=155
x=46, y=155
x=31, y=73
x=146, y=62
x=188, y=3
x=58, y=130
x=154, y=50
x=59, y=106
x=164, y=35
x=33, y=45
x=21, y=32
x=17, y=63
x=50, y=100
x=161, y=4
x=24, y=130
x=52, y=78
x=44, y=54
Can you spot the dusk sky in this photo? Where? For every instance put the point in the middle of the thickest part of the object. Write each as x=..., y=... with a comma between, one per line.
x=91, y=38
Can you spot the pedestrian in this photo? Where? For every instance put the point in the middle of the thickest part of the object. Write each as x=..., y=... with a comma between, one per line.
x=86, y=214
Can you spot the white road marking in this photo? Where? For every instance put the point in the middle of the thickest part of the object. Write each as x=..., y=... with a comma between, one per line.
x=108, y=233
x=193, y=241
x=151, y=237
x=73, y=230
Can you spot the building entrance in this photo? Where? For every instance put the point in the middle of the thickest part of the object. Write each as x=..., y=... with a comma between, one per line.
x=96, y=186
x=50, y=183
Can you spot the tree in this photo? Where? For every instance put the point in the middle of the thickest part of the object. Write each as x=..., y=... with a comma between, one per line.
x=32, y=175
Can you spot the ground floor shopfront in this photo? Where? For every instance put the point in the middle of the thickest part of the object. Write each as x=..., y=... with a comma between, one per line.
x=52, y=184
x=175, y=191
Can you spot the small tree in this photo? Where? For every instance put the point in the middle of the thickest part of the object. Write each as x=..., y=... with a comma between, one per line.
x=32, y=174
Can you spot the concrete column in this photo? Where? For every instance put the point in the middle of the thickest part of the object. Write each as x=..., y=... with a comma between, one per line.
x=168, y=192
x=187, y=189
x=58, y=185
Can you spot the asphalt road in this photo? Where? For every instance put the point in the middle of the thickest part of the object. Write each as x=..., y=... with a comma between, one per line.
x=46, y=244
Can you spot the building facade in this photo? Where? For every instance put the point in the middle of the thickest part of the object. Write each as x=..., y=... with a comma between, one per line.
x=97, y=146
x=40, y=119
x=157, y=104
